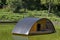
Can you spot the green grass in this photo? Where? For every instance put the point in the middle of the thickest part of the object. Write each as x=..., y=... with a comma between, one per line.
x=17, y=16
x=5, y=31
x=6, y=28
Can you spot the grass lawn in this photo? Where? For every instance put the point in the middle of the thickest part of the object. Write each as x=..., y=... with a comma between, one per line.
x=5, y=31
x=6, y=28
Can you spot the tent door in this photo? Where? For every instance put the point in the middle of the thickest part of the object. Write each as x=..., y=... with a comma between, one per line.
x=38, y=27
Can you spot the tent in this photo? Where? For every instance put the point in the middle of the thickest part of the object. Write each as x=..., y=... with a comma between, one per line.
x=28, y=26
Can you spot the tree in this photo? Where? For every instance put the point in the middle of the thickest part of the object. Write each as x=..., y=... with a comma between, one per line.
x=50, y=6
x=38, y=4
x=16, y=6
x=32, y=4
x=3, y=2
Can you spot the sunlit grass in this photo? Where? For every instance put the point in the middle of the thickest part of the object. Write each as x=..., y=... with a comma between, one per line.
x=6, y=29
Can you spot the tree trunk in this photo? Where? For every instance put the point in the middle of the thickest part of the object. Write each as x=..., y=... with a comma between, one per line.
x=49, y=9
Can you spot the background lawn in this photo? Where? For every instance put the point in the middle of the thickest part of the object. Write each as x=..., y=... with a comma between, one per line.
x=6, y=28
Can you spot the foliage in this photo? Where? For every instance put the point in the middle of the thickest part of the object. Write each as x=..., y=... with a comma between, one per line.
x=2, y=3
x=38, y=9
x=16, y=5
x=40, y=14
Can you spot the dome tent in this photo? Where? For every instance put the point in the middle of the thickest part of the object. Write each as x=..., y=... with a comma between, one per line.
x=28, y=26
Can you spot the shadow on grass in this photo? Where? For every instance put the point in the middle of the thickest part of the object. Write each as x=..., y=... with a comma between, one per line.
x=34, y=37
x=33, y=34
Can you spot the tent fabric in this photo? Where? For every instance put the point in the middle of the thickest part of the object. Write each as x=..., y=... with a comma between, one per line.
x=23, y=26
